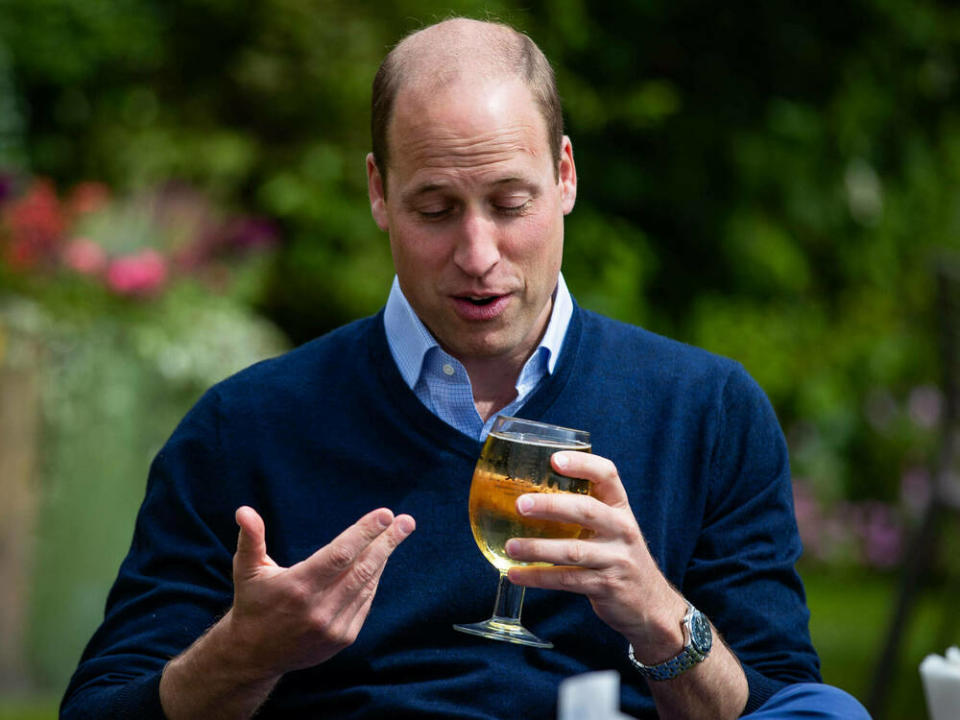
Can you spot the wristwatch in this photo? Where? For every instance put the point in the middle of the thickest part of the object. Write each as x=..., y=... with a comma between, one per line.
x=698, y=639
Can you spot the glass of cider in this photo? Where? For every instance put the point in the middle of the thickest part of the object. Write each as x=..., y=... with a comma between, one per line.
x=515, y=460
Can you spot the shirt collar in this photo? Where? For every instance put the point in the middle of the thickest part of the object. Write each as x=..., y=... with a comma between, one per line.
x=410, y=340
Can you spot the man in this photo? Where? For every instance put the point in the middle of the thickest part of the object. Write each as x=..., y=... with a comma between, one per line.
x=471, y=176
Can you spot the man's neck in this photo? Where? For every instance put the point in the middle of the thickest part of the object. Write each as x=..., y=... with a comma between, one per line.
x=494, y=383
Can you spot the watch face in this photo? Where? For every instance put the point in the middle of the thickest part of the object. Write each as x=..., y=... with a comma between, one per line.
x=700, y=632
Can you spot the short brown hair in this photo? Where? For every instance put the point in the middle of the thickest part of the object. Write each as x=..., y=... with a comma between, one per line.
x=518, y=53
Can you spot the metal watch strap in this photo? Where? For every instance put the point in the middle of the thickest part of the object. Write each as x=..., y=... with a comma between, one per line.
x=695, y=651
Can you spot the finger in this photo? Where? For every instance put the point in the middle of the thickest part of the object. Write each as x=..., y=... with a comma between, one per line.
x=352, y=617
x=334, y=558
x=251, y=542
x=348, y=598
x=377, y=555
x=601, y=472
x=583, y=510
x=561, y=577
x=364, y=574
x=562, y=507
x=580, y=553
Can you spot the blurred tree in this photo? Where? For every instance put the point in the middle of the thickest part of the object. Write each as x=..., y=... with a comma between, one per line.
x=768, y=180
x=793, y=168
x=12, y=154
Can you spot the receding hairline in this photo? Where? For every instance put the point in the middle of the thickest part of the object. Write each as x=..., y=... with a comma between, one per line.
x=439, y=55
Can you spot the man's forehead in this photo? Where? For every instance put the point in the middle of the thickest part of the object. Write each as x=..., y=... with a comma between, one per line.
x=480, y=128
x=498, y=114
x=494, y=181
x=430, y=147
x=488, y=169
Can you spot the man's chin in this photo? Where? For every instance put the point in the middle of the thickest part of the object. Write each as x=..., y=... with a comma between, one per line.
x=479, y=346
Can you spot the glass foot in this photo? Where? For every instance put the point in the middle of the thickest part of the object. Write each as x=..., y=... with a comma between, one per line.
x=505, y=630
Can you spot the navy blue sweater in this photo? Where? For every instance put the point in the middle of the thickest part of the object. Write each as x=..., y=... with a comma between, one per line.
x=319, y=436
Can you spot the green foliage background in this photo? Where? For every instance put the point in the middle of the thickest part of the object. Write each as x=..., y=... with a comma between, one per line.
x=764, y=179
x=770, y=180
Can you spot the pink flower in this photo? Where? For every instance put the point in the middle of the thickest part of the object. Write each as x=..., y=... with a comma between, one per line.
x=84, y=256
x=142, y=274
x=34, y=223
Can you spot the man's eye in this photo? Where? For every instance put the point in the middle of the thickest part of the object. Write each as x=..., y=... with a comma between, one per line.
x=512, y=205
x=433, y=214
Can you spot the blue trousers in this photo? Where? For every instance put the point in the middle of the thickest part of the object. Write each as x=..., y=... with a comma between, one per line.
x=810, y=700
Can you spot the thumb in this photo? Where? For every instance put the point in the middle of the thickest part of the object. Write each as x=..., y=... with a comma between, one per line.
x=251, y=543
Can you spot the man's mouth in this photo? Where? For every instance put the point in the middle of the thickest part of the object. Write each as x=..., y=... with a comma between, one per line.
x=480, y=307
x=483, y=300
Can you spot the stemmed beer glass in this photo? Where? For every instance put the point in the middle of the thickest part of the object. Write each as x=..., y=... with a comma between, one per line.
x=515, y=460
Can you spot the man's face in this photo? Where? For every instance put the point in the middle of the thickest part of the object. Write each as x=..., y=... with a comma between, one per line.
x=474, y=209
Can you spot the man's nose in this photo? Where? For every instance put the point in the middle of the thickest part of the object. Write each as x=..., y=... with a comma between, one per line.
x=477, y=249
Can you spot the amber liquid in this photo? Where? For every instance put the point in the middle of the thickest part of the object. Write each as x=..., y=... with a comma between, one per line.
x=510, y=466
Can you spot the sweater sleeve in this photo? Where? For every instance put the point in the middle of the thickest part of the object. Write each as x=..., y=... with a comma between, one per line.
x=173, y=584
x=742, y=573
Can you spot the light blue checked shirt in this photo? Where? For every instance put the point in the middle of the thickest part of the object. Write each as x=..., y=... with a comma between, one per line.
x=440, y=380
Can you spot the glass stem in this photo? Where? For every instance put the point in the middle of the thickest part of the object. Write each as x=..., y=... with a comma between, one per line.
x=509, y=601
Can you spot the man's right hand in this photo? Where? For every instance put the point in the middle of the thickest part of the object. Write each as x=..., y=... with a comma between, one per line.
x=292, y=618
x=282, y=619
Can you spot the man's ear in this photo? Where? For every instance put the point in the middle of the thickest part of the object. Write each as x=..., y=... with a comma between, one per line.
x=378, y=200
x=568, y=175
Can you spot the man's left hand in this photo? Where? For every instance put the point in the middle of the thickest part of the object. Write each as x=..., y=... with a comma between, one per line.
x=610, y=564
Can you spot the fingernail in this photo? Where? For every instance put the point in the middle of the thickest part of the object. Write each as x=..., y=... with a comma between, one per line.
x=384, y=519
x=510, y=547
x=406, y=525
x=525, y=504
x=561, y=460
